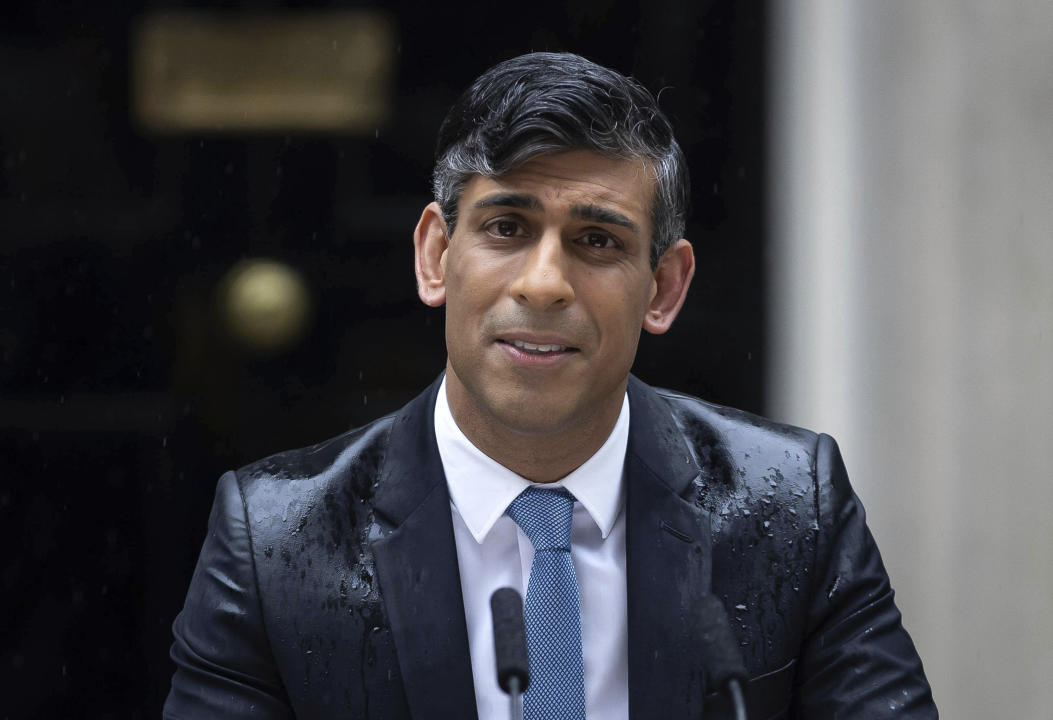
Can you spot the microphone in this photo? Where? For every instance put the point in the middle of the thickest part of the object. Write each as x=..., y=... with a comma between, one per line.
x=723, y=661
x=513, y=667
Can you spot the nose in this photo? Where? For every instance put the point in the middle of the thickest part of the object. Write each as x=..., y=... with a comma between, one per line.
x=542, y=281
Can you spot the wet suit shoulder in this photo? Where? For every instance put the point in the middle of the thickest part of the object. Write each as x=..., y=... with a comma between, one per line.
x=798, y=570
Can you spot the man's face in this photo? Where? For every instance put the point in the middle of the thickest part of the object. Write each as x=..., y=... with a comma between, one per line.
x=547, y=283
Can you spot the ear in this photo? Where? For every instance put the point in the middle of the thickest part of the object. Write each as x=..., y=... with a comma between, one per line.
x=430, y=243
x=672, y=278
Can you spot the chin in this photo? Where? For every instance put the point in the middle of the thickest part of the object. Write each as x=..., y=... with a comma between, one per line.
x=530, y=415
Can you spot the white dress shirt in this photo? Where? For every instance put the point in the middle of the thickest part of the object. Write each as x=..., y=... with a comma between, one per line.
x=493, y=552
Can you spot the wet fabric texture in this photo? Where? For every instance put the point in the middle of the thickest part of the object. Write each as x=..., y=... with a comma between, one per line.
x=328, y=585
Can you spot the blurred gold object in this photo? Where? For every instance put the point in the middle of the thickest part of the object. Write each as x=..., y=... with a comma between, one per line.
x=294, y=70
x=266, y=304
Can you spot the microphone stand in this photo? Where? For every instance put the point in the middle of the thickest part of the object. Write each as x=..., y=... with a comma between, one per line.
x=515, y=699
x=737, y=699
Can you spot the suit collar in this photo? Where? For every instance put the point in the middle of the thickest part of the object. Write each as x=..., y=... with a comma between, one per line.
x=411, y=467
x=668, y=560
x=668, y=563
x=657, y=441
x=417, y=567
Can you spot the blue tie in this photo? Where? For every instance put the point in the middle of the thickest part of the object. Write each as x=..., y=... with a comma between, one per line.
x=552, y=611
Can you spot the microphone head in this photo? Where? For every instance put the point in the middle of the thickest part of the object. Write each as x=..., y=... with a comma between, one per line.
x=510, y=639
x=723, y=661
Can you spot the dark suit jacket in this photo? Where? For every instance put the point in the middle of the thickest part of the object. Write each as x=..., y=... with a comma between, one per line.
x=328, y=584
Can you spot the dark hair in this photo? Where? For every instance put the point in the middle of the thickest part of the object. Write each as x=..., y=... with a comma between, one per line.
x=547, y=103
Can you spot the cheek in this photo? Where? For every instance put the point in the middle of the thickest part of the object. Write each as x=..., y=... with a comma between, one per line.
x=621, y=319
x=472, y=287
x=470, y=272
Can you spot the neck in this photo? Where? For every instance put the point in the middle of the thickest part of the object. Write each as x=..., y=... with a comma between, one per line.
x=541, y=455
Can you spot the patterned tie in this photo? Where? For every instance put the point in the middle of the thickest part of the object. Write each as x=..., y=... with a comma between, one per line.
x=552, y=611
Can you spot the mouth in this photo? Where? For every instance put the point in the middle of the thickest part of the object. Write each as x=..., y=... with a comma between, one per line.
x=538, y=348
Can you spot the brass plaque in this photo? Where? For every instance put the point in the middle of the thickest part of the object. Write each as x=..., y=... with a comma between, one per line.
x=234, y=71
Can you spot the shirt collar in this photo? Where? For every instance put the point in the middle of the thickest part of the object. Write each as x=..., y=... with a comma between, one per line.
x=482, y=488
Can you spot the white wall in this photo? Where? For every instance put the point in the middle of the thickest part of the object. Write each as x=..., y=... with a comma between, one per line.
x=912, y=311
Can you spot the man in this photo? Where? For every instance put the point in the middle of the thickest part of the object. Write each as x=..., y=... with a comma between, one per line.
x=352, y=579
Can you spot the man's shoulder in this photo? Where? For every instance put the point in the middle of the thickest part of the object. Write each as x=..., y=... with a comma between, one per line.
x=741, y=435
x=333, y=471
x=749, y=467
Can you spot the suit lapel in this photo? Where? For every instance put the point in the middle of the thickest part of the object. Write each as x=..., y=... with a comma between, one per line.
x=668, y=561
x=417, y=568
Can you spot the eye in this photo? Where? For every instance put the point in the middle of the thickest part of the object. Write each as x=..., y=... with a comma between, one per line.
x=600, y=241
x=503, y=228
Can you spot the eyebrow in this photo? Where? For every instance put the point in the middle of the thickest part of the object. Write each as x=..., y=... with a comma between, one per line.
x=589, y=213
x=600, y=214
x=521, y=201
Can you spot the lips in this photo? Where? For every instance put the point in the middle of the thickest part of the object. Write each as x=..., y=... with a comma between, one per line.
x=533, y=348
x=538, y=348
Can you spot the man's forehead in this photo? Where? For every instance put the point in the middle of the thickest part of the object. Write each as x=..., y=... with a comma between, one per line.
x=577, y=178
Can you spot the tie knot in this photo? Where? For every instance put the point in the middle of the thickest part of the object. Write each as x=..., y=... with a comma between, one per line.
x=544, y=515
